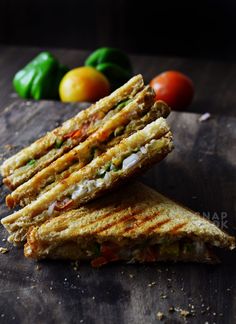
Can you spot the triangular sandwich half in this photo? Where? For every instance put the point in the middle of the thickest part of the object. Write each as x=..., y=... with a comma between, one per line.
x=23, y=165
x=135, y=224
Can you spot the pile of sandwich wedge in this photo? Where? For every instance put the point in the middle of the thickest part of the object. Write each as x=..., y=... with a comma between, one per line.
x=63, y=182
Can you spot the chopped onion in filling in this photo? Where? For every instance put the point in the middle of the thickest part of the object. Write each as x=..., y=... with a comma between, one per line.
x=143, y=150
x=51, y=208
x=99, y=182
x=130, y=161
x=105, y=173
x=107, y=177
x=80, y=190
x=134, y=158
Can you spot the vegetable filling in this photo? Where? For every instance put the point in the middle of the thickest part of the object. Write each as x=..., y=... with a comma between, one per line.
x=104, y=175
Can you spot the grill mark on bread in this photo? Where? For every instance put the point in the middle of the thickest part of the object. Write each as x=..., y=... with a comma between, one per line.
x=177, y=227
x=139, y=223
x=117, y=222
x=104, y=216
x=157, y=225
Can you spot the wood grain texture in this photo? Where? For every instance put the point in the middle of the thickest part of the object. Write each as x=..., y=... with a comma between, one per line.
x=199, y=173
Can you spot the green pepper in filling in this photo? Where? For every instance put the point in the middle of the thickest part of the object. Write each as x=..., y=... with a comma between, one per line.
x=31, y=162
x=119, y=130
x=123, y=103
x=58, y=143
x=101, y=173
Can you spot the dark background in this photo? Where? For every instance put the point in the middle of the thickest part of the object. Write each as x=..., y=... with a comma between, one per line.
x=203, y=29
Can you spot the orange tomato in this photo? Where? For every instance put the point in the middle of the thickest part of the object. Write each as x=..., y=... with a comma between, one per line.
x=175, y=88
x=83, y=84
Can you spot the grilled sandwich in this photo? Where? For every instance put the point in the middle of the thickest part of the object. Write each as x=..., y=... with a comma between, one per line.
x=139, y=112
x=26, y=163
x=134, y=224
x=123, y=160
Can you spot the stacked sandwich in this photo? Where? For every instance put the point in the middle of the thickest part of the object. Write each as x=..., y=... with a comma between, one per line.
x=55, y=178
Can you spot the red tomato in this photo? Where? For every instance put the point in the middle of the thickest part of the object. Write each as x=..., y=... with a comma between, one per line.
x=173, y=87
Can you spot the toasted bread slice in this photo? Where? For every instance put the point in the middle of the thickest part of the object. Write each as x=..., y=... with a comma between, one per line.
x=48, y=148
x=130, y=156
x=134, y=223
x=135, y=116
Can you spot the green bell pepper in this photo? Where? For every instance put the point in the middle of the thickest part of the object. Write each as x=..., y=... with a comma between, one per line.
x=113, y=63
x=40, y=78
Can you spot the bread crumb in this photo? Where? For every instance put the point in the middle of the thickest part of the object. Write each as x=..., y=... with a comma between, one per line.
x=3, y=250
x=204, y=117
x=75, y=265
x=151, y=284
x=8, y=147
x=160, y=316
x=184, y=313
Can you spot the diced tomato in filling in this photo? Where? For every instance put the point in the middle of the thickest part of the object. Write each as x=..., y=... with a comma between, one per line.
x=83, y=129
x=150, y=254
x=104, y=135
x=109, y=253
x=73, y=134
x=63, y=205
x=98, y=262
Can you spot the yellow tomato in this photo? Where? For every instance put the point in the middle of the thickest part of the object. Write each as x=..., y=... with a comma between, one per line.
x=83, y=84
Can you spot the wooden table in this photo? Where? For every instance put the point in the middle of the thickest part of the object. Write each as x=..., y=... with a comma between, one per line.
x=201, y=173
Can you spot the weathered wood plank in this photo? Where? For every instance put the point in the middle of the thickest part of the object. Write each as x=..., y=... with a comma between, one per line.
x=200, y=173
